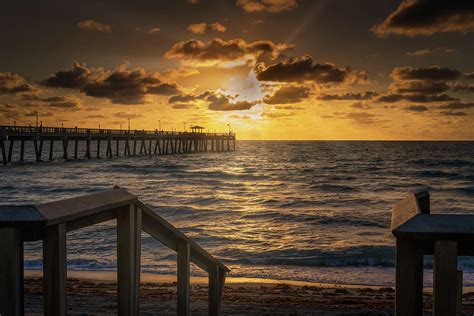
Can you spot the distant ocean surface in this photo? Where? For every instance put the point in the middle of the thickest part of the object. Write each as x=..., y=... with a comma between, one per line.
x=314, y=211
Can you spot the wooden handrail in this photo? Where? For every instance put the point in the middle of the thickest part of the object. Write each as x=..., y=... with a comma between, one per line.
x=51, y=221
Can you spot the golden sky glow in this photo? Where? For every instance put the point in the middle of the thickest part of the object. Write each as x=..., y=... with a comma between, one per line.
x=276, y=69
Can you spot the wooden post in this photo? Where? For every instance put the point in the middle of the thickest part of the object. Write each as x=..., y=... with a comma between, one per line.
x=11, y=272
x=65, y=149
x=4, y=154
x=109, y=148
x=22, y=150
x=149, y=148
x=129, y=222
x=51, y=148
x=409, y=279
x=40, y=149
x=126, y=151
x=98, y=148
x=54, y=271
x=214, y=289
x=134, y=147
x=459, y=293
x=445, y=278
x=183, y=279
x=10, y=150
x=35, y=143
x=117, y=145
x=88, y=148
x=156, y=147
x=76, y=147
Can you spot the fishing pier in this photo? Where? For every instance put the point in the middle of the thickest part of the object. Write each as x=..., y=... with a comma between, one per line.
x=76, y=143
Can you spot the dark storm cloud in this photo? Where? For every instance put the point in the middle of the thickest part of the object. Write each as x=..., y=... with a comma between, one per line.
x=12, y=83
x=76, y=77
x=186, y=98
x=288, y=94
x=425, y=17
x=304, y=69
x=121, y=86
x=417, y=108
x=182, y=106
x=224, y=50
x=348, y=96
x=272, y=6
x=429, y=73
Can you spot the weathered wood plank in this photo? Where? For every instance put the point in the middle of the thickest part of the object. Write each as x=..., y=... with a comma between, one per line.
x=409, y=279
x=128, y=260
x=55, y=271
x=11, y=276
x=413, y=205
x=183, y=277
x=74, y=208
x=445, y=278
x=214, y=291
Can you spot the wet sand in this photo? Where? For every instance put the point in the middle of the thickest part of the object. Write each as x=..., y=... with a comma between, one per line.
x=95, y=294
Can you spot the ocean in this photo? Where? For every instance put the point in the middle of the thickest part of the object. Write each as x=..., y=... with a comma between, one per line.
x=314, y=211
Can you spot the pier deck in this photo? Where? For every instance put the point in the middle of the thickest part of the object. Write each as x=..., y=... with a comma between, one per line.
x=116, y=142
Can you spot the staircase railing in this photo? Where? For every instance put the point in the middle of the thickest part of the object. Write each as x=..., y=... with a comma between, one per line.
x=51, y=221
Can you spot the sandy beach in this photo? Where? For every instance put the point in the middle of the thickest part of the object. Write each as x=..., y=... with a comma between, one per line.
x=94, y=293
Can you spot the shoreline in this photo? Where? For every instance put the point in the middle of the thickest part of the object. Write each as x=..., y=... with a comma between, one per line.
x=111, y=276
x=95, y=293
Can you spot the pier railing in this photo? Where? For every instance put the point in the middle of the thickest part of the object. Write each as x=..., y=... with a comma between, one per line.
x=149, y=142
x=419, y=233
x=51, y=221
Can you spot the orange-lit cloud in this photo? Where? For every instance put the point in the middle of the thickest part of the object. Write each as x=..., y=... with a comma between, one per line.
x=93, y=25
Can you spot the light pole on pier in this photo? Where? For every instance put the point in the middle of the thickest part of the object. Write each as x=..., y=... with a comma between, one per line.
x=36, y=114
x=184, y=123
x=159, y=125
x=128, y=124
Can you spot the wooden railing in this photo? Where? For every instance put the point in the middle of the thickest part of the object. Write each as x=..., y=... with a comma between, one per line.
x=12, y=130
x=51, y=221
x=445, y=237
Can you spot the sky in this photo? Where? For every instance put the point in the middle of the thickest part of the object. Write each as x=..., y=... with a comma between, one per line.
x=265, y=69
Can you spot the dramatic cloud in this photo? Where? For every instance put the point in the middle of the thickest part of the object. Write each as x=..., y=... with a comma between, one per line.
x=469, y=75
x=458, y=105
x=53, y=102
x=221, y=52
x=288, y=94
x=12, y=83
x=429, y=73
x=125, y=86
x=461, y=87
x=453, y=113
x=419, y=86
x=348, y=96
x=217, y=101
x=417, y=108
x=201, y=28
x=76, y=77
x=153, y=30
x=419, y=98
x=93, y=25
x=304, y=69
x=198, y=28
x=431, y=51
x=220, y=102
x=121, y=86
x=425, y=17
x=272, y=6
